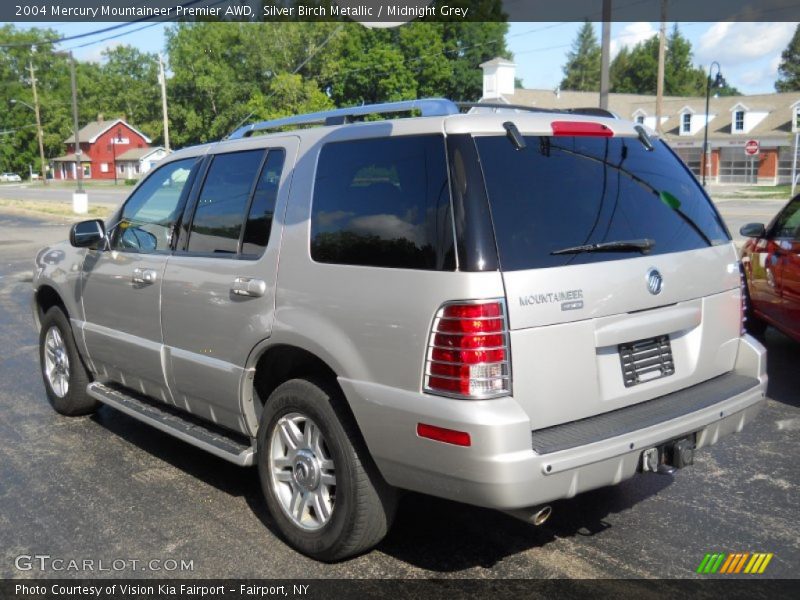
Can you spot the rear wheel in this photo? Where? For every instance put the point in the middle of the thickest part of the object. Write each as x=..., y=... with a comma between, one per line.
x=323, y=491
x=65, y=378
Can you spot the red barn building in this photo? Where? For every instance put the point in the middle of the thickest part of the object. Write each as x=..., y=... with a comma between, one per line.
x=102, y=143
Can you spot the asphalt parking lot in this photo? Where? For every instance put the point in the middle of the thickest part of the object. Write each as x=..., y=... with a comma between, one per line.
x=108, y=488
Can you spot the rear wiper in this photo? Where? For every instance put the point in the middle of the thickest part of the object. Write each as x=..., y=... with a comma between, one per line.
x=644, y=246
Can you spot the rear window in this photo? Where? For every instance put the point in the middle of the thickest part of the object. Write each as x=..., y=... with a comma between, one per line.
x=562, y=192
x=383, y=202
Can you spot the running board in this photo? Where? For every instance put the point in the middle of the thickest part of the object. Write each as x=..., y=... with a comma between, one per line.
x=190, y=429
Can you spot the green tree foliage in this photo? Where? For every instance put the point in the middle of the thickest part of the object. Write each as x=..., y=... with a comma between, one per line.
x=582, y=71
x=789, y=68
x=221, y=74
x=634, y=70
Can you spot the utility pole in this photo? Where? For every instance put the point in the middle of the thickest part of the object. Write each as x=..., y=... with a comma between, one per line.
x=39, y=132
x=605, y=54
x=163, y=80
x=78, y=152
x=80, y=201
x=662, y=51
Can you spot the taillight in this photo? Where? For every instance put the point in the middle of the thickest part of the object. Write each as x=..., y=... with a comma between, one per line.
x=468, y=351
x=743, y=303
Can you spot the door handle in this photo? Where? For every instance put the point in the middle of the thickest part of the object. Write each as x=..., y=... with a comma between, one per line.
x=144, y=276
x=246, y=286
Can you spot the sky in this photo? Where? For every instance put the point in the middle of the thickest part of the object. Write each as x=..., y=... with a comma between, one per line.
x=748, y=53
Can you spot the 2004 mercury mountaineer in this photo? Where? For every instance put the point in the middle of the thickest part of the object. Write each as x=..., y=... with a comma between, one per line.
x=503, y=307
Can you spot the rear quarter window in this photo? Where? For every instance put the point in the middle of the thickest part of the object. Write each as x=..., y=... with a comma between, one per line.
x=383, y=202
x=561, y=192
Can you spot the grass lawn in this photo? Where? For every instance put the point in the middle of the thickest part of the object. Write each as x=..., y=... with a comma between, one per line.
x=51, y=209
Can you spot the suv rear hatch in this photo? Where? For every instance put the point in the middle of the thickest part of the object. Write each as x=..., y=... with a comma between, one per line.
x=621, y=280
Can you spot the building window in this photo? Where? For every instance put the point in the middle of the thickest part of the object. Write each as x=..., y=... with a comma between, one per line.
x=121, y=168
x=640, y=119
x=797, y=119
x=686, y=125
x=104, y=167
x=87, y=170
x=738, y=120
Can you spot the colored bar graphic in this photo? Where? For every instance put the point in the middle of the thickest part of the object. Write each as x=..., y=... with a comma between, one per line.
x=765, y=563
x=741, y=562
x=734, y=563
x=701, y=568
x=726, y=567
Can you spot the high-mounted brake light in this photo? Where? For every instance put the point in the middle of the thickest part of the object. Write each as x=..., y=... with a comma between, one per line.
x=580, y=128
x=468, y=352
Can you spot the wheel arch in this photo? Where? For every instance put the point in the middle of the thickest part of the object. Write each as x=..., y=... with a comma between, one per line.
x=46, y=297
x=274, y=364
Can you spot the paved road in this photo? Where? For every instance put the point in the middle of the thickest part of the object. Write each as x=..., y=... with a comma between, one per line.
x=25, y=191
x=740, y=212
x=106, y=487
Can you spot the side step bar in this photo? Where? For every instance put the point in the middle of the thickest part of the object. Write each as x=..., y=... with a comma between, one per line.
x=188, y=428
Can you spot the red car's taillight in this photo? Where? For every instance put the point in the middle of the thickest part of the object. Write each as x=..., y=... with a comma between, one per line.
x=468, y=352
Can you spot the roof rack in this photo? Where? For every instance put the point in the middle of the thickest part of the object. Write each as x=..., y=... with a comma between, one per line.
x=591, y=111
x=428, y=107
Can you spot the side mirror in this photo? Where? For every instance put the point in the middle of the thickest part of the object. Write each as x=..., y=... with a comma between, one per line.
x=753, y=230
x=87, y=234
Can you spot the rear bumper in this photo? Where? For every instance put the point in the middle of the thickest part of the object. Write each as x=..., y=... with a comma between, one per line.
x=501, y=469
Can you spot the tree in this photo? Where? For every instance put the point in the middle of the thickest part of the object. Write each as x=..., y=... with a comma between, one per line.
x=789, y=68
x=635, y=70
x=582, y=71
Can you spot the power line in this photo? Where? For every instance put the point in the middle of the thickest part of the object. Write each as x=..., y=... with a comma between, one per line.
x=90, y=33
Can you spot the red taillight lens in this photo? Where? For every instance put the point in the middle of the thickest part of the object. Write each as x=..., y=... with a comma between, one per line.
x=468, y=353
x=440, y=434
x=580, y=128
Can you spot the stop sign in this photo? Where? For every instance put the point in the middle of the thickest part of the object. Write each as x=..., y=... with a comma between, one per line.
x=751, y=148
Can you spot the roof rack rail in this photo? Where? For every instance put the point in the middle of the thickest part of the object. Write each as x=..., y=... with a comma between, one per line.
x=428, y=107
x=590, y=111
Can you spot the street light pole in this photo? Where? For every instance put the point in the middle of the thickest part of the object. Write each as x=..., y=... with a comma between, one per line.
x=162, y=78
x=114, y=151
x=39, y=132
x=78, y=152
x=719, y=82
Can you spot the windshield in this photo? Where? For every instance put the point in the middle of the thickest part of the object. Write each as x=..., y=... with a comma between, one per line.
x=562, y=192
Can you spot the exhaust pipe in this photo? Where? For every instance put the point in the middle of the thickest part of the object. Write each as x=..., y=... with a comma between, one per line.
x=534, y=515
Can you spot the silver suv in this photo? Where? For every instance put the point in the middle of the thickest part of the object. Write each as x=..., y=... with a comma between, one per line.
x=503, y=307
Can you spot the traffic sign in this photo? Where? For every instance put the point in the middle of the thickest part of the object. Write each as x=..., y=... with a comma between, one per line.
x=751, y=148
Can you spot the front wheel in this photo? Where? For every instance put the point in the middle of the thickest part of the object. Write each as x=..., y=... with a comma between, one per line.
x=323, y=491
x=65, y=378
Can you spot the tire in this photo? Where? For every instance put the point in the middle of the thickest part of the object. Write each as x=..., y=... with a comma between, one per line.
x=335, y=520
x=64, y=376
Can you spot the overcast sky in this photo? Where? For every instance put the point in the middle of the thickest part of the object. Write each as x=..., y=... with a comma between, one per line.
x=749, y=53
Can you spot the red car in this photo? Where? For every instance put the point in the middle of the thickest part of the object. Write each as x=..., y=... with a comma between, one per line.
x=771, y=261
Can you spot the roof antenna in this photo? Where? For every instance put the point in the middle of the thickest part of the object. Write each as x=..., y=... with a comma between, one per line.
x=514, y=136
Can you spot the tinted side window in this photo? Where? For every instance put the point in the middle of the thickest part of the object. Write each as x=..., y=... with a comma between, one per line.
x=787, y=225
x=562, y=192
x=383, y=202
x=221, y=206
x=262, y=208
x=148, y=216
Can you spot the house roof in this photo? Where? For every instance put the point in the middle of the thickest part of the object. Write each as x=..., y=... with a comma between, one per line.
x=71, y=158
x=497, y=62
x=94, y=129
x=777, y=123
x=138, y=153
